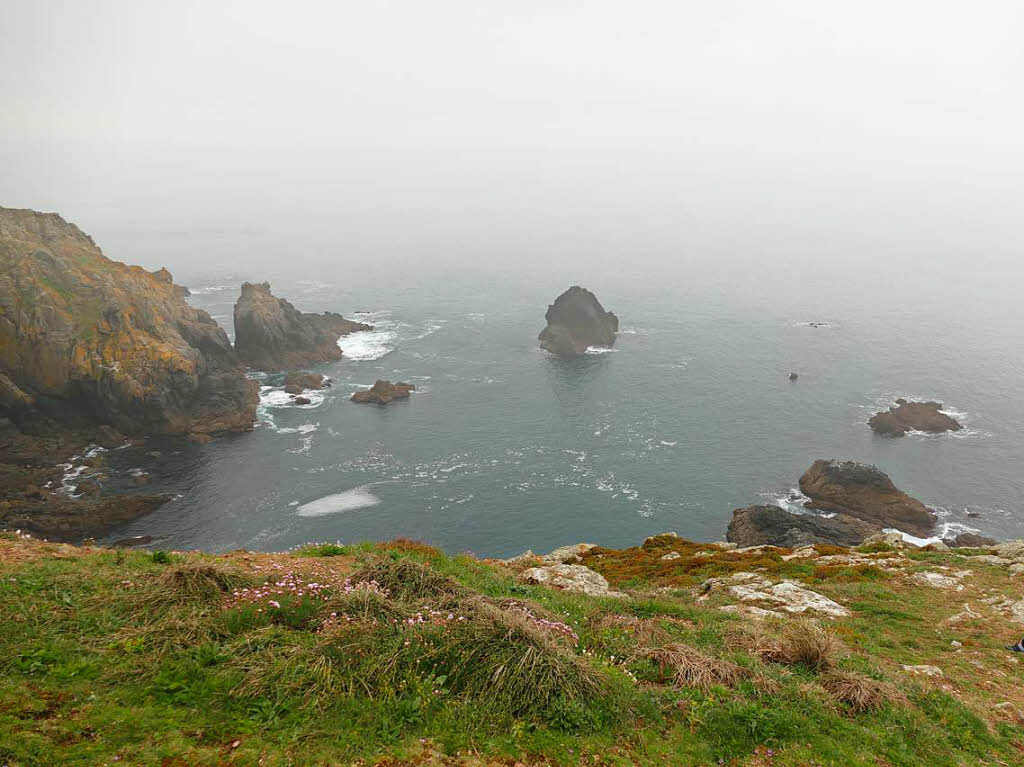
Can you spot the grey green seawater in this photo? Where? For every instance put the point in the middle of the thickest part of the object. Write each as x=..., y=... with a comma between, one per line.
x=504, y=448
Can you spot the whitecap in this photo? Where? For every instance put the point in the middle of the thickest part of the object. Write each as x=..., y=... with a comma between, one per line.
x=306, y=428
x=793, y=501
x=211, y=289
x=349, y=500
x=666, y=443
x=367, y=345
x=600, y=350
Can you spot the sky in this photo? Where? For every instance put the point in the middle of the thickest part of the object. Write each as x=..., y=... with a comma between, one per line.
x=761, y=127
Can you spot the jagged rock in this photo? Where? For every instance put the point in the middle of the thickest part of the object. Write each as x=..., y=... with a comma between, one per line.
x=774, y=526
x=969, y=541
x=787, y=595
x=913, y=416
x=297, y=382
x=87, y=339
x=271, y=334
x=384, y=393
x=864, y=492
x=571, y=578
x=577, y=321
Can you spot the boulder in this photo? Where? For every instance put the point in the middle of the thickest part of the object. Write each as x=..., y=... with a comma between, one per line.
x=896, y=540
x=933, y=671
x=786, y=595
x=774, y=526
x=86, y=340
x=271, y=334
x=568, y=554
x=867, y=493
x=1012, y=550
x=303, y=380
x=384, y=393
x=970, y=541
x=907, y=416
x=577, y=321
x=570, y=578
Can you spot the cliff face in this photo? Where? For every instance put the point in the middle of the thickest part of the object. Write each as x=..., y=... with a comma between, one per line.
x=271, y=334
x=108, y=343
x=576, y=321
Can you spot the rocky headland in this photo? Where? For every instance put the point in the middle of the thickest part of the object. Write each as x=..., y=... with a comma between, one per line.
x=96, y=351
x=907, y=416
x=272, y=335
x=384, y=393
x=577, y=321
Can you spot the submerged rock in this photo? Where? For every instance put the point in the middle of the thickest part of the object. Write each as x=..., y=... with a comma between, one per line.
x=774, y=526
x=271, y=334
x=577, y=321
x=867, y=493
x=384, y=393
x=913, y=416
x=87, y=339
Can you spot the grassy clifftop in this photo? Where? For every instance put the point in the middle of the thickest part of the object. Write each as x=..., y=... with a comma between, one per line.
x=395, y=653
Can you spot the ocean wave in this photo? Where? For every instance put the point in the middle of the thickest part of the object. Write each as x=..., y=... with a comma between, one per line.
x=367, y=345
x=792, y=500
x=349, y=500
x=211, y=289
x=306, y=428
x=600, y=350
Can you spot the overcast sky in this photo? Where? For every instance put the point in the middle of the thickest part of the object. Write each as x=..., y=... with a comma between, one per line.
x=667, y=115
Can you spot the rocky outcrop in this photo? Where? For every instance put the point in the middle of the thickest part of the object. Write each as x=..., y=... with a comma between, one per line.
x=864, y=492
x=271, y=334
x=786, y=595
x=570, y=578
x=577, y=321
x=384, y=393
x=86, y=338
x=297, y=382
x=773, y=526
x=913, y=416
x=969, y=541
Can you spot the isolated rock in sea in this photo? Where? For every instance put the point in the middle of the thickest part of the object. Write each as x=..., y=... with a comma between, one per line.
x=867, y=493
x=577, y=321
x=771, y=525
x=570, y=578
x=297, y=382
x=913, y=416
x=87, y=339
x=271, y=334
x=793, y=376
x=384, y=393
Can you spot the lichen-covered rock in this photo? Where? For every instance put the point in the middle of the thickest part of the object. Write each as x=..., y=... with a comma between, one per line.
x=577, y=321
x=774, y=526
x=384, y=393
x=786, y=595
x=86, y=338
x=913, y=416
x=571, y=578
x=271, y=334
x=867, y=493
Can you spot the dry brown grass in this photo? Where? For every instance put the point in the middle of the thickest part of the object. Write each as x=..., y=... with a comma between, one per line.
x=859, y=693
x=687, y=666
x=802, y=643
x=647, y=632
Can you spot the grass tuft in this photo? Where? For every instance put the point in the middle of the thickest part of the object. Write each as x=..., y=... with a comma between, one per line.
x=858, y=692
x=687, y=666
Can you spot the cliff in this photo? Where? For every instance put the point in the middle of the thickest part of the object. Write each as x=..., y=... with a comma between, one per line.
x=92, y=339
x=272, y=335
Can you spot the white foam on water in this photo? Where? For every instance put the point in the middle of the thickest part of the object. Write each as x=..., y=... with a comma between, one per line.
x=306, y=428
x=600, y=350
x=349, y=500
x=666, y=443
x=793, y=501
x=367, y=345
x=211, y=289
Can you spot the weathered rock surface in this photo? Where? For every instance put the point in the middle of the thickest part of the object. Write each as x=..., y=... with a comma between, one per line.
x=571, y=578
x=384, y=393
x=271, y=334
x=297, y=382
x=577, y=321
x=786, y=595
x=970, y=541
x=867, y=493
x=907, y=416
x=774, y=526
x=86, y=338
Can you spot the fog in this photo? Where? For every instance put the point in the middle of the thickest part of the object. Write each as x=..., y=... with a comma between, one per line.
x=463, y=134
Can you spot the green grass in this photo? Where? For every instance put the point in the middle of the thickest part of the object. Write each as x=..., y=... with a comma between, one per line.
x=154, y=659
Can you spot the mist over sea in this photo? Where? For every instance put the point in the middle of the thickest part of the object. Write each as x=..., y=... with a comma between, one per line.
x=504, y=448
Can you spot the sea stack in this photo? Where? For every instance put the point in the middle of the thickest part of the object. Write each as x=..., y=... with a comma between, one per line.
x=272, y=335
x=913, y=416
x=867, y=493
x=577, y=321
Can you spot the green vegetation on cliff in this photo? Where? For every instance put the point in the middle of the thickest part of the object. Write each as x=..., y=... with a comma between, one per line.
x=395, y=652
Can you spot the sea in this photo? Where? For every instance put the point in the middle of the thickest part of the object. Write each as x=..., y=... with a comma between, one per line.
x=690, y=415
